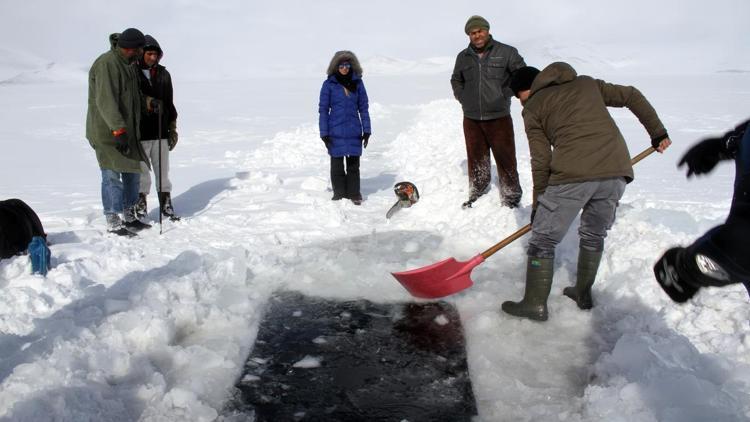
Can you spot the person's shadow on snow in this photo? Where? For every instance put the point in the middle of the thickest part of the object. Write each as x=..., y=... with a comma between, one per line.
x=383, y=181
x=197, y=198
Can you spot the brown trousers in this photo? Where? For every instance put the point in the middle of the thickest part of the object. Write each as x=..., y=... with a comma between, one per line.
x=483, y=136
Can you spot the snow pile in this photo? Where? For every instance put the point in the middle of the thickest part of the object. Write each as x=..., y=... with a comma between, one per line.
x=169, y=339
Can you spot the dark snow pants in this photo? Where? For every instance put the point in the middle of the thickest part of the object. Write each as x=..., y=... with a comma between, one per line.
x=483, y=136
x=345, y=181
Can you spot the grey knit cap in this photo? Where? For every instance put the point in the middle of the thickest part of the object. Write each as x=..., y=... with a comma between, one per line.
x=474, y=22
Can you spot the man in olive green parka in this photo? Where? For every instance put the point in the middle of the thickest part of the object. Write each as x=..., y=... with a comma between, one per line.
x=112, y=129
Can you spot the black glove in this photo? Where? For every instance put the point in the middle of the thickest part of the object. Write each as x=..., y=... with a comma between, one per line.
x=656, y=141
x=172, y=141
x=172, y=137
x=326, y=140
x=673, y=278
x=533, y=214
x=121, y=141
x=365, y=139
x=702, y=157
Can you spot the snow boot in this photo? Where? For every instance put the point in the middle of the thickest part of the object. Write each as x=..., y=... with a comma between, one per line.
x=131, y=220
x=115, y=226
x=588, y=264
x=165, y=206
x=538, y=284
x=473, y=196
x=141, y=209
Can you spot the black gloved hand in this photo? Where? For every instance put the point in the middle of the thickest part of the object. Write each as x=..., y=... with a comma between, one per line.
x=172, y=141
x=121, y=141
x=365, y=139
x=672, y=279
x=326, y=140
x=702, y=157
x=656, y=142
x=533, y=214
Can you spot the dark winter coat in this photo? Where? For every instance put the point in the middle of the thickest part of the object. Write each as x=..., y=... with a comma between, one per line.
x=18, y=225
x=159, y=87
x=572, y=137
x=728, y=243
x=114, y=102
x=344, y=115
x=481, y=84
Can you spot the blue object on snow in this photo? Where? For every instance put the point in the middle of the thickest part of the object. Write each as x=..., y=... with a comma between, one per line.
x=40, y=255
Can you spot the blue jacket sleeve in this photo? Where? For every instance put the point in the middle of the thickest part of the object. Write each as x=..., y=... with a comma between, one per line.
x=363, y=105
x=324, y=107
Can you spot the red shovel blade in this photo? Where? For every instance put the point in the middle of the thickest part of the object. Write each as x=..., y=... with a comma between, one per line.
x=440, y=279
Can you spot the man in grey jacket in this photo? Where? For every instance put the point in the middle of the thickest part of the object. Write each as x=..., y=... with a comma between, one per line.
x=480, y=83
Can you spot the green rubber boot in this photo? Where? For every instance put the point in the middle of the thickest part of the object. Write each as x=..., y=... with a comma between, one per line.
x=538, y=284
x=588, y=265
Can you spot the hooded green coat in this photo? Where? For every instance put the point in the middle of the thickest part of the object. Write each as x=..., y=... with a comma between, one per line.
x=114, y=102
x=572, y=137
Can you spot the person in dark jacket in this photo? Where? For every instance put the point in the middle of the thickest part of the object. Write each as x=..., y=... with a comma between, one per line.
x=113, y=129
x=480, y=83
x=156, y=85
x=579, y=162
x=722, y=255
x=344, y=122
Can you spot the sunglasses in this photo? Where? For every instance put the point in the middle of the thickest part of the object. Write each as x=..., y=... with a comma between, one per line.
x=346, y=65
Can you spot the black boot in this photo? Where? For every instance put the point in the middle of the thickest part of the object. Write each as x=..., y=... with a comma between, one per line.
x=115, y=226
x=352, y=180
x=132, y=222
x=165, y=206
x=338, y=178
x=538, y=284
x=588, y=265
x=141, y=209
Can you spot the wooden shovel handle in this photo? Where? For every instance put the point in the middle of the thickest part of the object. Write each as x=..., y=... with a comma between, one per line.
x=505, y=242
x=527, y=228
x=645, y=153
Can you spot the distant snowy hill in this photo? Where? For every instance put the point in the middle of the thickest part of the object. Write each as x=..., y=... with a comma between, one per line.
x=382, y=65
x=21, y=67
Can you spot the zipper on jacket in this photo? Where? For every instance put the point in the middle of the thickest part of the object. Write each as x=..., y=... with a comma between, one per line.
x=479, y=60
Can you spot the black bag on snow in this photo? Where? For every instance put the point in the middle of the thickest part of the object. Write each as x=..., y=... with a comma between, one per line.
x=18, y=225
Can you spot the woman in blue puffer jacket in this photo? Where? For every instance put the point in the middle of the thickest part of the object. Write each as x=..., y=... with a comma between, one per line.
x=344, y=123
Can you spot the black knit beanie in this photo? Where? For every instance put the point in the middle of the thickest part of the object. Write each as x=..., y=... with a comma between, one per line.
x=131, y=38
x=522, y=79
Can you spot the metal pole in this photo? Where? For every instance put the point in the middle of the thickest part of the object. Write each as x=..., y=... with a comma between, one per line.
x=161, y=172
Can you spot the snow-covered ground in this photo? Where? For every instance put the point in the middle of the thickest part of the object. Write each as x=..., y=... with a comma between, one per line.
x=158, y=327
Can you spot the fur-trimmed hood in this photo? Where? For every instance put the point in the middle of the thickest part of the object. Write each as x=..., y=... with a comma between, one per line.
x=344, y=55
